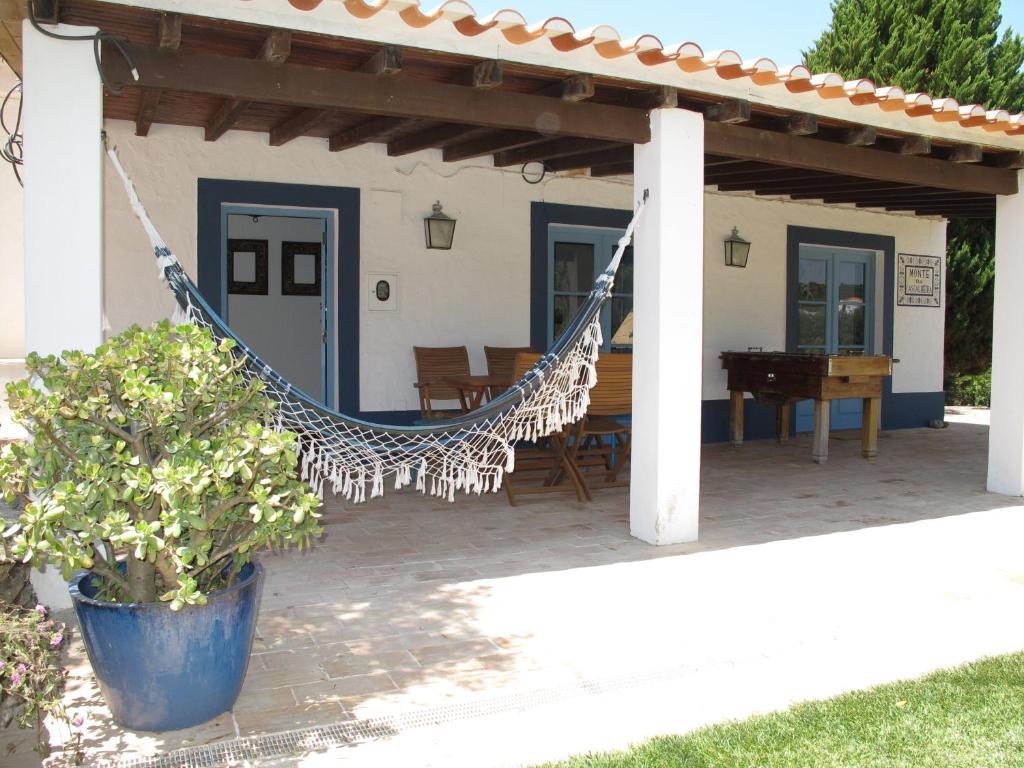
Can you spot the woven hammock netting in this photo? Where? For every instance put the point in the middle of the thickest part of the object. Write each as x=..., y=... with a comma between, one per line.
x=469, y=454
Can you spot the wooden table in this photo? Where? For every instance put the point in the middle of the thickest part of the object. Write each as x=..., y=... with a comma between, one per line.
x=782, y=378
x=473, y=387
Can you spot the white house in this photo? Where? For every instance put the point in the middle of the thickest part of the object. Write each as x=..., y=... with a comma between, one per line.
x=341, y=122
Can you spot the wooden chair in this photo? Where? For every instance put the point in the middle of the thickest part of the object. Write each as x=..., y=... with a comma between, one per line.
x=601, y=440
x=432, y=365
x=543, y=467
x=501, y=361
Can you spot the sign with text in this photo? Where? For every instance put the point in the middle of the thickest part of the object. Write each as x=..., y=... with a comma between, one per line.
x=918, y=281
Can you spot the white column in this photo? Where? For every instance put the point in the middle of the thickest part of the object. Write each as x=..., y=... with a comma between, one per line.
x=63, y=118
x=1006, y=435
x=668, y=293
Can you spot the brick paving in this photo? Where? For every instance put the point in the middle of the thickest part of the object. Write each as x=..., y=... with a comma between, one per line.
x=409, y=602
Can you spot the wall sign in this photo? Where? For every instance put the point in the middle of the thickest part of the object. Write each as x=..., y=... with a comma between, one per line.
x=382, y=292
x=247, y=267
x=918, y=280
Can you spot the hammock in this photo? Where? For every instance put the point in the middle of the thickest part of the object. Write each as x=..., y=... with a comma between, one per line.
x=470, y=453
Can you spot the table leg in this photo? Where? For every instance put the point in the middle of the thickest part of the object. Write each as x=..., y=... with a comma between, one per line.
x=782, y=422
x=822, y=411
x=736, y=417
x=869, y=430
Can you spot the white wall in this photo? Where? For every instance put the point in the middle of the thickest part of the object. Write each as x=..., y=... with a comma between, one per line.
x=478, y=293
x=12, y=258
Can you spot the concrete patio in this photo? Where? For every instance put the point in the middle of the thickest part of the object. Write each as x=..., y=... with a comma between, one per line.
x=479, y=634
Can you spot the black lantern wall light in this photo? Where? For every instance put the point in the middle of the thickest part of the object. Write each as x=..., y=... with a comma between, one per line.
x=439, y=228
x=737, y=250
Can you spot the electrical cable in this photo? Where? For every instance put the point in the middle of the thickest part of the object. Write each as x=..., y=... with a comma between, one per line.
x=97, y=39
x=11, y=151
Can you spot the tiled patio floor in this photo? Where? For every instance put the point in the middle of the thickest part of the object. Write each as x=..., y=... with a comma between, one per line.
x=409, y=604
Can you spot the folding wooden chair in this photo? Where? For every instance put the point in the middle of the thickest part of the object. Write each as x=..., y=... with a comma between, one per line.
x=432, y=365
x=601, y=440
x=545, y=467
x=501, y=361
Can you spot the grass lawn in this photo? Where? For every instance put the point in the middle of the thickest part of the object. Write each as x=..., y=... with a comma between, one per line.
x=971, y=716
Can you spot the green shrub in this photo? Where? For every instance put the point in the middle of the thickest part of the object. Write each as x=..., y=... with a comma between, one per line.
x=153, y=452
x=970, y=389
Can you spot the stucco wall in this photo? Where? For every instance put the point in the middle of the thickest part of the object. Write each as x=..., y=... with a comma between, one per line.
x=477, y=293
x=12, y=261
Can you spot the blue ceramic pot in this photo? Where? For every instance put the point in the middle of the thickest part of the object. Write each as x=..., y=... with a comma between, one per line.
x=161, y=670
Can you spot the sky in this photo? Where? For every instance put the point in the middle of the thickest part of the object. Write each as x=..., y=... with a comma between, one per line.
x=779, y=29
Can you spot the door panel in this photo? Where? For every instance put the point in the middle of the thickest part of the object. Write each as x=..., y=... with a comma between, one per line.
x=835, y=311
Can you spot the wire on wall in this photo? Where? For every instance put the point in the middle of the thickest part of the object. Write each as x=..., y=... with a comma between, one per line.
x=11, y=150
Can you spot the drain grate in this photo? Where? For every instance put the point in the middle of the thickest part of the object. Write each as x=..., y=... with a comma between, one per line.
x=321, y=738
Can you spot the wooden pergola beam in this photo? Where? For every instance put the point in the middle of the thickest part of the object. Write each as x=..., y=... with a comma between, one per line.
x=489, y=143
x=828, y=157
x=591, y=159
x=306, y=87
x=386, y=61
x=612, y=169
x=298, y=125
x=575, y=88
x=487, y=74
x=731, y=111
x=276, y=48
x=168, y=39
x=427, y=138
x=371, y=130
x=547, y=150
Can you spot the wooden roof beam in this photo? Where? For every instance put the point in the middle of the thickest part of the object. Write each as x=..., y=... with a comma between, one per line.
x=801, y=124
x=299, y=124
x=829, y=157
x=731, y=111
x=371, y=130
x=169, y=39
x=489, y=143
x=276, y=48
x=612, y=169
x=591, y=159
x=547, y=150
x=1014, y=160
x=307, y=87
x=487, y=74
x=575, y=88
x=966, y=153
x=428, y=138
x=859, y=136
x=915, y=145
x=386, y=61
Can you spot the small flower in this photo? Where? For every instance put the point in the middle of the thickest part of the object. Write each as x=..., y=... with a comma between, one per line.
x=57, y=639
x=2, y=665
x=41, y=609
x=15, y=679
x=77, y=722
x=21, y=668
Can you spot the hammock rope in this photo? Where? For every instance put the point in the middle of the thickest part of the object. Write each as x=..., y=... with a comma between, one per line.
x=470, y=453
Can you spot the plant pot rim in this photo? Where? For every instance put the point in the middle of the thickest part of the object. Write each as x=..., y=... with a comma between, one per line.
x=78, y=597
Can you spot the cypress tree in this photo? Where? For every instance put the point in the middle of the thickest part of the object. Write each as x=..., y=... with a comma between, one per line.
x=948, y=48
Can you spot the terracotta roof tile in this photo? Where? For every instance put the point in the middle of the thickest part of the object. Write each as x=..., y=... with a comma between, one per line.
x=688, y=56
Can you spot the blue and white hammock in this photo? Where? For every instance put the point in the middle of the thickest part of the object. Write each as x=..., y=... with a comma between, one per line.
x=470, y=453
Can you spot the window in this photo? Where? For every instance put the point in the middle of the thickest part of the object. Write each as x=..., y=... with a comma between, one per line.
x=577, y=256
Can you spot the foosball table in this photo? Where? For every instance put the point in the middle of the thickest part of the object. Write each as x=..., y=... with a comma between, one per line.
x=783, y=378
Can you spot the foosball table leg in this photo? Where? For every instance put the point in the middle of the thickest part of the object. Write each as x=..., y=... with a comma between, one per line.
x=736, y=417
x=869, y=430
x=822, y=412
x=782, y=411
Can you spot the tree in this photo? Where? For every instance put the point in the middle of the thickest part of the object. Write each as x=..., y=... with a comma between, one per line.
x=949, y=48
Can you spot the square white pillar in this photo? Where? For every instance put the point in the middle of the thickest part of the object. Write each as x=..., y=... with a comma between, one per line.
x=1006, y=434
x=668, y=294
x=63, y=172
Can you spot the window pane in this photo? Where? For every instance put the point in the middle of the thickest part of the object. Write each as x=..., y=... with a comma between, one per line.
x=622, y=321
x=851, y=281
x=565, y=309
x=624, y=277
x=811, y=325
x=813, y=278
x=574, y=266
x=851, y=324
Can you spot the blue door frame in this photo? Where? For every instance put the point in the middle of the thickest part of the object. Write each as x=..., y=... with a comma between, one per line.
x=215, y=194
x=328, y=326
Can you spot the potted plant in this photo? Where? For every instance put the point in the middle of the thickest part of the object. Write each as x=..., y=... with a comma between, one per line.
x=155, y=466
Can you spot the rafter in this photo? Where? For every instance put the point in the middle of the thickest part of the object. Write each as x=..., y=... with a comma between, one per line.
x=297, y=125
x=168, y=39
x=276, y=48
x=488, y=143
x=548, y=150
x=371, y=130
x=428, y=138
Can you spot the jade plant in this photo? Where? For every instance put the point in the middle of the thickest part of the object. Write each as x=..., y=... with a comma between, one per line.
x=154, y=463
